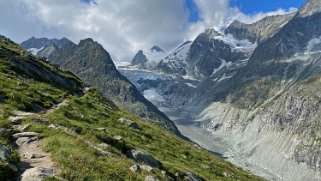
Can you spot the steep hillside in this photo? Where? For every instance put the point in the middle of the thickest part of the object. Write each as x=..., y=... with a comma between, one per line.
x=85, y=136
x=89, y=61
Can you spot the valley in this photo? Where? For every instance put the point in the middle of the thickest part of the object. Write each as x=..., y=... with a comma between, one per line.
x=237, y=99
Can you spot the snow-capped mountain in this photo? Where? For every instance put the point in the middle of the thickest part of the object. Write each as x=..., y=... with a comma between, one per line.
x=175, y=61
x=148, y=59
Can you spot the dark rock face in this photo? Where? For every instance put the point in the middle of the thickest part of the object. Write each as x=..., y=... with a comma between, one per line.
x=139, y=58
x=207, y=53
x=93, y=64
x=260, y=30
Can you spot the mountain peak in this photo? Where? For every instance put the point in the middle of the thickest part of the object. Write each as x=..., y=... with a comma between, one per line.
x=212, y=32
x=236, y=23
x=140, y=58
x=156, y=48
x=87, y=40
x=310, y=8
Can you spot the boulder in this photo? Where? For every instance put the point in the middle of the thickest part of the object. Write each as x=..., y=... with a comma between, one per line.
x=191, y=177
x=20, y=128
x=32, y=155
x=150, y=178
x=129, y=123
x=147, y=168
x=135, y=168
x=15, y=120
x=118, y=138
x=104, y=145
x=145, y=158
x=101, y=129
x=37, y=174
x=25, y=140
x=25, y=134
x=41, y=121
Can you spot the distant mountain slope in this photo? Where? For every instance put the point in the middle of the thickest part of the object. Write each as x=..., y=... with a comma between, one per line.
x=89, y=61
x=260, y=30
x=86, y=137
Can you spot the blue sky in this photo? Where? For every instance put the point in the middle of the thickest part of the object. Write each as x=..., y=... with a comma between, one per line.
x=193, y=11
x=252, y=7
x=249, y=7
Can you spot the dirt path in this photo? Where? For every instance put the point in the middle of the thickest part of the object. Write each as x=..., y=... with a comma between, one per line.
x=35, y=163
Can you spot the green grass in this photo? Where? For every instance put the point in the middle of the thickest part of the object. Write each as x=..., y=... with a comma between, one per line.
x=79, y=162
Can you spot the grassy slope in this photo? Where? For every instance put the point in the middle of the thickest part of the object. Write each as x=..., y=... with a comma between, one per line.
x=83, y=114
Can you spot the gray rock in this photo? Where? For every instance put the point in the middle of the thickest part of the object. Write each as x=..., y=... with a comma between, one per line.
x=25, y=140
x=129, y=123
x=32, y=155
x=5, y=155
x=25, y=134
x=41, y=121
x=37, y=174
x=135, y=168
x=54, y=126
x=191, y=177
x=104, y=145
x=101, y=129
x=145, y=158
x=118, y=138
x=20, y=128
x=147, y=168
x=15, y=120
x=150, y=178
x=163, y=172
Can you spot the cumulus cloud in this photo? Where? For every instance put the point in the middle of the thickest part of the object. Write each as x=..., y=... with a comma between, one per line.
x=121, y=26
x=212, y=15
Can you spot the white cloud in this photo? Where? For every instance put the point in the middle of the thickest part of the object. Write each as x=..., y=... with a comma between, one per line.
x=212, y=14
x=121, y=26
